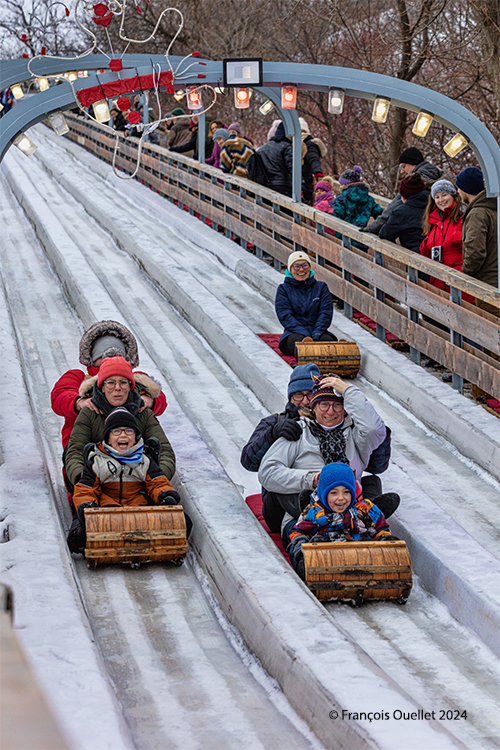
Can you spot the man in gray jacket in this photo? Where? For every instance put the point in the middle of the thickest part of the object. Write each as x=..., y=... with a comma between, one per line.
x=411, y=160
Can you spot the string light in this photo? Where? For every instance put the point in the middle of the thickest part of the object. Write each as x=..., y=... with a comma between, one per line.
x=17, y=91
x=43, y=84
x=179, y=95
x=194, y=98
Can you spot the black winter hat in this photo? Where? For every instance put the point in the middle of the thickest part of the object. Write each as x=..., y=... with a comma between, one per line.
x=120, y=417
x=411, y=156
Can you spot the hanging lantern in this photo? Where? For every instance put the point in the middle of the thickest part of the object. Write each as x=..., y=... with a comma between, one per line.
x=194, y=99
x=288, y=96
x=43, y=84
x=457, y=144
x=24, y=144
x=335, y=101
x=422, y=123
x=267, y=107
x=58, y=123
x=17, y=91
x=380, y=109
x=101, y=111
x=241, y=98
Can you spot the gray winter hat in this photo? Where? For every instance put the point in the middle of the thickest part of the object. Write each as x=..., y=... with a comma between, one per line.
x=443, y=186
x=221, y=133
x=108, y=328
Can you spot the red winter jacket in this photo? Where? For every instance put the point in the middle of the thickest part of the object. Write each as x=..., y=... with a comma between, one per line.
x=449, y=237
x=67, y=390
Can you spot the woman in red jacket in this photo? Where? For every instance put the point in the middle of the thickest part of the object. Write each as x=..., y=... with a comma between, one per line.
x=442, y=226
x=107, y=338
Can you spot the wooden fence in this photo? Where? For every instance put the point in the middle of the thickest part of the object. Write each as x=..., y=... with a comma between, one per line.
x=379, y=280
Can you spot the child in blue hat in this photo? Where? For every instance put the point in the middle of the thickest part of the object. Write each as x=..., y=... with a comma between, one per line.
x=337, y=513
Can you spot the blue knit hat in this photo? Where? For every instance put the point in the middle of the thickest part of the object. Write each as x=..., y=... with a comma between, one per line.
x=221, y=133
x=301, y=378
x=470, y=180
x=336, y=475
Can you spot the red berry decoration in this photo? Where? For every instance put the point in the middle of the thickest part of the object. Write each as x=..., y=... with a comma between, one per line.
x=115, y=65
x=24, y=38
x=138, y=9
x=67, y=12
x=134, y=117
x=123, y=103
x=43, y=51
x=25, y=56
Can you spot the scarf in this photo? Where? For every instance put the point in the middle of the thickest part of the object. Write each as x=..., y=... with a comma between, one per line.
x=131, y=457
x=332, y=443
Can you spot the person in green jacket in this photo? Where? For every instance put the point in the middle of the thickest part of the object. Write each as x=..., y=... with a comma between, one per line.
x=115, y=386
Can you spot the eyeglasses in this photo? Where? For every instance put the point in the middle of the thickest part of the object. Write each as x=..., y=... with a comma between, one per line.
x=118, y=431
x=299, y=266
x=299, y=397
x=122, y=384
x=326, y=405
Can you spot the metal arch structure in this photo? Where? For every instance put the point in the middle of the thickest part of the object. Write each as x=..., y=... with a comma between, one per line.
x=357, y=83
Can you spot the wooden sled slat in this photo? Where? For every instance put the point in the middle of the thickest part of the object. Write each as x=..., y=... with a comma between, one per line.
x=340, y=357
x=135, y=534
x=358, y=570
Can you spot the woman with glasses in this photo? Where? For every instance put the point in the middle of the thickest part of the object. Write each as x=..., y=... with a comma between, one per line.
x=338, y=425
x=115, y=386
x=304, y=306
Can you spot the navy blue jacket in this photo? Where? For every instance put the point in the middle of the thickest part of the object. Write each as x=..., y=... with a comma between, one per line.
x=261, y=440
x=405, y=222
x=304, y=307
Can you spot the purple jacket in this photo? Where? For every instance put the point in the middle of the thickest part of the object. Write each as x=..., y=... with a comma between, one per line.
x=214, y=160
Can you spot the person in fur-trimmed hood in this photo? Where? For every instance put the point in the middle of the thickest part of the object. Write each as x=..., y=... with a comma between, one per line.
x=71, y=393
x=114, y=386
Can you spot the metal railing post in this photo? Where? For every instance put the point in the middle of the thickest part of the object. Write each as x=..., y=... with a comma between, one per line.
x=347, y=276
x=413, y=314
x=456, y=339
x=380, y=295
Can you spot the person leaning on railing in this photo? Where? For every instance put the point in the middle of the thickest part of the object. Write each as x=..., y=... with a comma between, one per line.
x=304, y=306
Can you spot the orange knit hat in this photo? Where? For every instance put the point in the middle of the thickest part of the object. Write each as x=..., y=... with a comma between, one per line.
x=115, y=366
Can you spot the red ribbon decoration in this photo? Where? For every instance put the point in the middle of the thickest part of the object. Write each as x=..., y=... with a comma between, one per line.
x=103, y=20
x=123, y=86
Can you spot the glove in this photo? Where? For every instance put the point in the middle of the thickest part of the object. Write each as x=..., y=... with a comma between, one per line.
x=304, y=499
x=169, y=498
x=288, y=428
x=389, y=538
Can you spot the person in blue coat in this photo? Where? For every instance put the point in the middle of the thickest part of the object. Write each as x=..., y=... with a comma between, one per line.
x=304, y=306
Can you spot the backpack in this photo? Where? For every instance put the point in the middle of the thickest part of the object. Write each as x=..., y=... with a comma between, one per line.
x=380, y=457
x=256, y=170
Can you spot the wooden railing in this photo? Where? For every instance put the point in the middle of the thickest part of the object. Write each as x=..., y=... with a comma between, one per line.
x=380, y=279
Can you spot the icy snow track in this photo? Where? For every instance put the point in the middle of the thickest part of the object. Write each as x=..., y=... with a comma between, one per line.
x=161, y=645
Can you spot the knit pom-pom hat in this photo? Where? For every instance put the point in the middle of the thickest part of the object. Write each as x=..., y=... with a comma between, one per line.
x=351, y=175
x=115, y=367
x=336, y=475
x=411, y=185
x=120, y=417
x=323, y=392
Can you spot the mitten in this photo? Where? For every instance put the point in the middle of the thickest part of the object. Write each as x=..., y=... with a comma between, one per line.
x=288, y=429
x=169, y=498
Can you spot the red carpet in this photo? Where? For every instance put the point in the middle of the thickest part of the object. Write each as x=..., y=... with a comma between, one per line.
x=254, y=502
x=272, y=339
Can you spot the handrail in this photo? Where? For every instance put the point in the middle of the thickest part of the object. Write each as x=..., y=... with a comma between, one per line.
x=380, y=279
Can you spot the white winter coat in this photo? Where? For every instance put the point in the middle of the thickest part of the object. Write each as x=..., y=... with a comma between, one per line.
x=290, y=466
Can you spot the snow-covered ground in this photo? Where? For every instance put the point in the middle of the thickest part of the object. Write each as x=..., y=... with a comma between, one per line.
x=167, y=660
